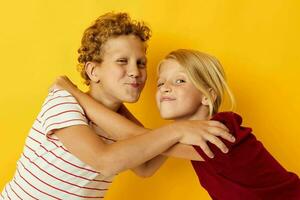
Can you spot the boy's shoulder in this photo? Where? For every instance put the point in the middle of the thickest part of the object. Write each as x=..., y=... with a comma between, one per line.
x=58, y=99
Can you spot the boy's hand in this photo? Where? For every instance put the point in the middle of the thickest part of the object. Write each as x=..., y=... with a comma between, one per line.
x=196, y=132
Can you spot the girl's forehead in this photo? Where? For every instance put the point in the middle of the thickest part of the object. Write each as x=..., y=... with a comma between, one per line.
x=170, y=66
x=170, y=74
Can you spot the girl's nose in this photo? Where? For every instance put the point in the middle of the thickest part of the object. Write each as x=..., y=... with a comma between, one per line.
x=166, y=88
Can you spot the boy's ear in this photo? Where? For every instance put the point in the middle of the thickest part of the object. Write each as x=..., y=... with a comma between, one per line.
x=205, y=100
x=90, y=70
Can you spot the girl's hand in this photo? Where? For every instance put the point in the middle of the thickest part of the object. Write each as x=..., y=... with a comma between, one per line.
x=63, y=83
x=196, y=132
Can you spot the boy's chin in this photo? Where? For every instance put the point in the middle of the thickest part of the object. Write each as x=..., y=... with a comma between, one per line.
x=131, y=99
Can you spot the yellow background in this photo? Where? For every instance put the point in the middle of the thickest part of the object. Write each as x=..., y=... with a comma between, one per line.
x=257, y=42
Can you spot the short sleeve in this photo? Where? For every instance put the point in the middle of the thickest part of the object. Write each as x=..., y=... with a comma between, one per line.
x=61, y=110
x=244, y=148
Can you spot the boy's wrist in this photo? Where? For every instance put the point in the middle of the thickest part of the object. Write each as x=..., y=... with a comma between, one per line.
x=174, y=130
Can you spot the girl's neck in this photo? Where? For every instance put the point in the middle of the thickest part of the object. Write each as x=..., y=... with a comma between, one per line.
x=201, y=114
x=104, y=99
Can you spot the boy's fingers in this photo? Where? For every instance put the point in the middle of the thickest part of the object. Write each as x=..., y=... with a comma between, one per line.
x=206, y=149
x=216, y=141
x=221, y=133
x=218, y=124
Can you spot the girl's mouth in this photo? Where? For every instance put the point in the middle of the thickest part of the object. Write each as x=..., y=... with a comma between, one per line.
x=167, y=99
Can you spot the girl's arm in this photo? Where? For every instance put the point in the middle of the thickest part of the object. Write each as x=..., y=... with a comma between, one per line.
x=150, y=167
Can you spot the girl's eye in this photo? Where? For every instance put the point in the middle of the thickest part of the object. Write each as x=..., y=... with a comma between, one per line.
x=159, y=85
x=178, y=81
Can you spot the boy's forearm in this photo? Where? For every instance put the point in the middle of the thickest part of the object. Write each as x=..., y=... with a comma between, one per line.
x=141, y=148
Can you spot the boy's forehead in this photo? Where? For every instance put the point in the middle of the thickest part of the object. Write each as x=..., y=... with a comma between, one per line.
x=123, y=47
x=123, y=41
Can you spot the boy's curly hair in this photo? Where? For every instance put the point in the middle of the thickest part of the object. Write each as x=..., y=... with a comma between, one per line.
x=107, y=26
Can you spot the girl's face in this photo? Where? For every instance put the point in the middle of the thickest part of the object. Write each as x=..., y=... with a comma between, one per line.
x=176, y=96
x=122, y=73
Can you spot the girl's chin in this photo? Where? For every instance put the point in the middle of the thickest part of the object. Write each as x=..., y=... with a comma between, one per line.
x=168, y=116
x=174, y=116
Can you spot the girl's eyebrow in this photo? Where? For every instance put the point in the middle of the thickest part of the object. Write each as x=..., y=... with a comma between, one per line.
x=158, y=78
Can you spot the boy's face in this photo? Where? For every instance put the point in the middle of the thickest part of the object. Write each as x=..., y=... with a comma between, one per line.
x=176, y=96
x=122, y=72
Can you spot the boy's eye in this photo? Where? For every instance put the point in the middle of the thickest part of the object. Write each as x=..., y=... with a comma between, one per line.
x=122, y=61
x=141, y=64
x=178, y=81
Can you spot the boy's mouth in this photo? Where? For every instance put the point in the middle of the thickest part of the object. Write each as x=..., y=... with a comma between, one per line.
x=134, y=84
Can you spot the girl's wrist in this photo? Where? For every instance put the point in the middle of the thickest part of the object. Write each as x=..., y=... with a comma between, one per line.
x=76, y=92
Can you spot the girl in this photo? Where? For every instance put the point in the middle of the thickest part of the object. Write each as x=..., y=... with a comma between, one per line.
x=248, y=171
x=191, y=86
x=67, y=157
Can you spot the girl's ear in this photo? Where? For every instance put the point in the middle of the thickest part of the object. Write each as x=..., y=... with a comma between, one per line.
x=90, y=70
x=205, y=99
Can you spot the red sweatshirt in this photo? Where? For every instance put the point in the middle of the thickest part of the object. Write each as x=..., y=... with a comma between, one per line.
x=247, y=172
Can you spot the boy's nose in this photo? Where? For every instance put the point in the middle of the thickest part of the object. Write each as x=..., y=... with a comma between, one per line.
x=133, y=72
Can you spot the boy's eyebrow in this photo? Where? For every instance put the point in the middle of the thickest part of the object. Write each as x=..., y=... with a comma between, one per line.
x=144, y=58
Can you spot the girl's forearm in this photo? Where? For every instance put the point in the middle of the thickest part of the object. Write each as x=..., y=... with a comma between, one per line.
x=150, y=167
x=183, y=151
x=115, y=125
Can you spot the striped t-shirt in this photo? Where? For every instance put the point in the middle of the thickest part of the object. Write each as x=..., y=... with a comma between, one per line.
x=46, y=169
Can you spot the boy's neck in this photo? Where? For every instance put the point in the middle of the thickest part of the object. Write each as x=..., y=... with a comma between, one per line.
x=100, y=96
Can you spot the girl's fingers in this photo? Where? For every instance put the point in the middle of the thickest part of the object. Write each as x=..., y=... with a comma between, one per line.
x=216, y=141
x=52, y=87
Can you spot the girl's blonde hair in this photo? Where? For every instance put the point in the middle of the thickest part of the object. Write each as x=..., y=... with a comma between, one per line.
x=207, y=75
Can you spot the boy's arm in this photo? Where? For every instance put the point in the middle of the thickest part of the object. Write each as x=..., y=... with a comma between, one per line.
x=129, y=129
x=179, y=150
x=104, y=118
